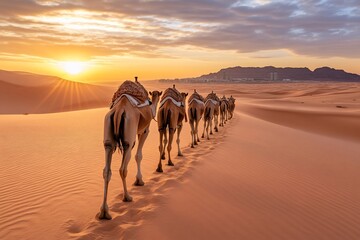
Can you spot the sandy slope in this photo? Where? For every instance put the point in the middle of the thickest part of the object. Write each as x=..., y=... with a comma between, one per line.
x=286, y=167
x=264, y=181
x=55, y=96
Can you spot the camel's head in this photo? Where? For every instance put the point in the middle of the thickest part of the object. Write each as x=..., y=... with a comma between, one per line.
x=155, y=96
x=231, y=99
x=183, y=95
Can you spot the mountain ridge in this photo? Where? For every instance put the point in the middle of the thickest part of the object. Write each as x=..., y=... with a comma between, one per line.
x=277, y=73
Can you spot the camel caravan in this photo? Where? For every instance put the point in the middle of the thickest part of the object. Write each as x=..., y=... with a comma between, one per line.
x=131, y=111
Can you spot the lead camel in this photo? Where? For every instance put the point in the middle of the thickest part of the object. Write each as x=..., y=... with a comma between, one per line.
x=128, y=117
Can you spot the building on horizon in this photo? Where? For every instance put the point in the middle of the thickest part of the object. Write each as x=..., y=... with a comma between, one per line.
x=273, y=76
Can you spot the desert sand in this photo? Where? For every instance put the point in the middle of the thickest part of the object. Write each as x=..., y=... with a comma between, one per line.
x=285, y=167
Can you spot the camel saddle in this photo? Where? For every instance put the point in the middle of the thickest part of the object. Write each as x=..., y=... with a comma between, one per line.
x=133, y=89
x=196, y=96
x=173, y=93
x=175, y=96
x=224, y=99
x=231, y=99
x=212, y=96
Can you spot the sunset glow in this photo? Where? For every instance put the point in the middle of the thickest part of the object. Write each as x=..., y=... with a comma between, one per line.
x=159, y=39
x=73, y=67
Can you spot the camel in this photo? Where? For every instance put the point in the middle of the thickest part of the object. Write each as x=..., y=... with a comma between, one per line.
x=231, y=108
x=224, y=105
x=170, y=115
x=195, y=111
x=127, y=118
x=216, y=113
x=211, y=108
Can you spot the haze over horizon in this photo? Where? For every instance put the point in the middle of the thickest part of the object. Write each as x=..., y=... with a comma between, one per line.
x=109, y=40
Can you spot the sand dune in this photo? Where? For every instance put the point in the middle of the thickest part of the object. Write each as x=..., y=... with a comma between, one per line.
x=272, y=188
x=24, y=93
x=342, y=124
x=286, y=167
x=27, y=79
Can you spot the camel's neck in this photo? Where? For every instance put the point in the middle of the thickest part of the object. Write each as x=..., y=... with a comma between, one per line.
x=153, y=108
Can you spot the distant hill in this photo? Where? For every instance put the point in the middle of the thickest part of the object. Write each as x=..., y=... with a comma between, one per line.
x=274, y=73
x=26, y=78
x=23, y=93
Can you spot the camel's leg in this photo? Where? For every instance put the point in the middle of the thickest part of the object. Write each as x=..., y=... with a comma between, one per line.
x=226, y=115
x=178, y=139
x=109, y=145
x=216, y=121
x=171, y=137
x=123, y=169
x=161, y=150
x=104, y=210
x=207, y=128
x=138, y=157
x=128, y=143
x=193, y=140
x=165, y=143
x=210, y=126
x=196, y=135
x=193, y=134
x=203, y=134
x=221, y=119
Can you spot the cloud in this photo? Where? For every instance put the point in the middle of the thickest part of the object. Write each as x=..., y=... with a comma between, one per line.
x=92, y=28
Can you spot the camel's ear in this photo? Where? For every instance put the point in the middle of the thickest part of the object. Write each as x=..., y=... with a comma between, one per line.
x=150, y=93
x=160, y=93
x=186, y=94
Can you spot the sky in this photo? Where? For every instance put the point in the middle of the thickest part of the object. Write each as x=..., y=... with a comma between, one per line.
x=154, y=39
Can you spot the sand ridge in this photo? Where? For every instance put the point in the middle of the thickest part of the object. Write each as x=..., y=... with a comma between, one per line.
x=288, y=190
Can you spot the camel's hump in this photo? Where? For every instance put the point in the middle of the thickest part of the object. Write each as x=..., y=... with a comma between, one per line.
x=134, y=89
x=173, y=93
x=196, y=95
x=212, y=96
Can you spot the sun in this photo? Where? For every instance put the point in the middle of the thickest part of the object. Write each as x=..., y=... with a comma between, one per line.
x=73, y=67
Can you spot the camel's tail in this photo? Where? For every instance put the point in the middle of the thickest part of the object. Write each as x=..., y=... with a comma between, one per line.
x=207, y=113
x=223, y=107
x=193, y=113
x=165, y=115
x=119, y=126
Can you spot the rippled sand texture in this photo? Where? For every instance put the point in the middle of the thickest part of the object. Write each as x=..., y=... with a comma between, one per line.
x=285, y=167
